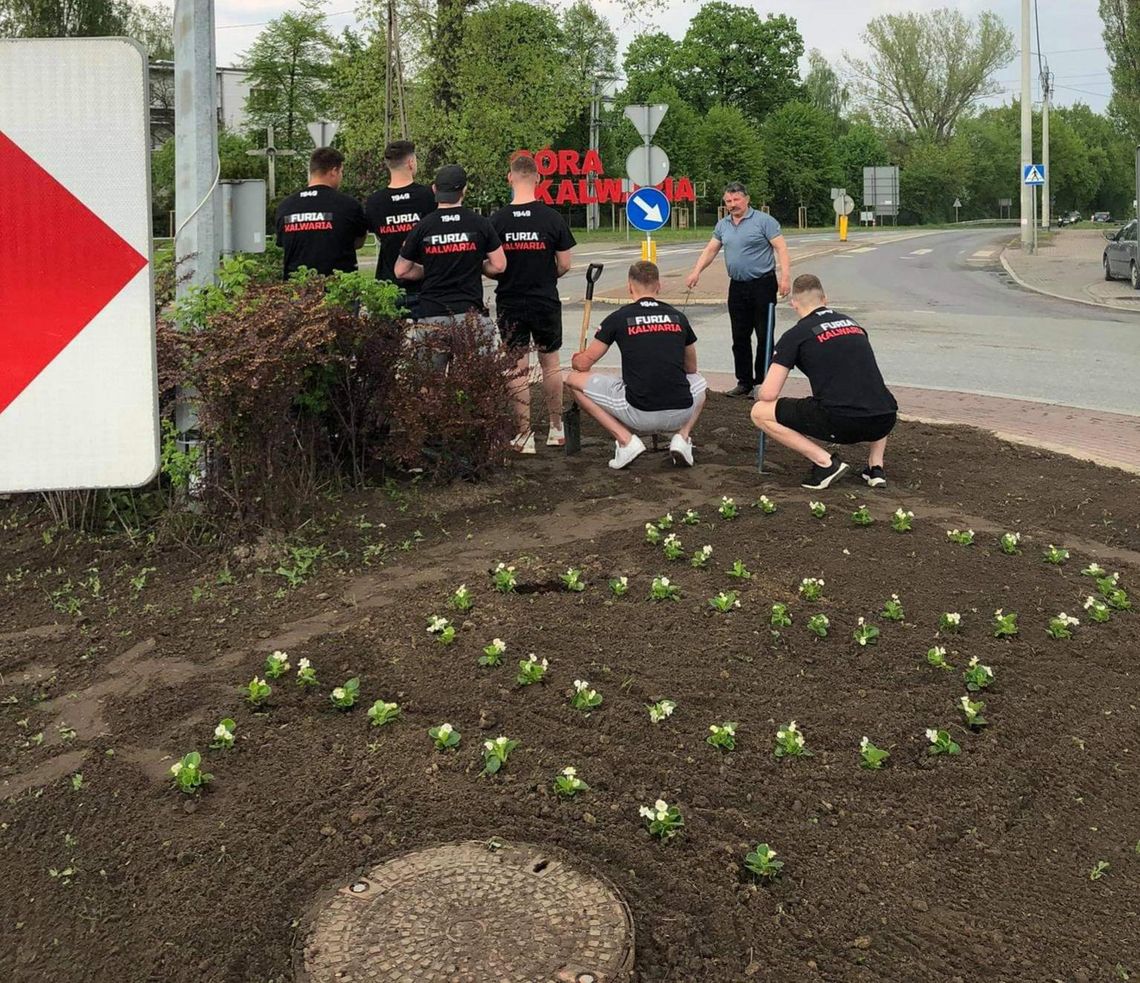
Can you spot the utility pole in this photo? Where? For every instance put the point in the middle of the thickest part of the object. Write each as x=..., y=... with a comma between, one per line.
x=1046, y=102
x=1027, y=192
x=593, y=219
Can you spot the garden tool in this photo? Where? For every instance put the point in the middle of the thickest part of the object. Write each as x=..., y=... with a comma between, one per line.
x=572, y=418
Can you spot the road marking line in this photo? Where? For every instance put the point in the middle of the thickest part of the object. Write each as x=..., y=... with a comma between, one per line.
x=983, y=254
x=864, y=249
x=921, y=252
x=924, y=312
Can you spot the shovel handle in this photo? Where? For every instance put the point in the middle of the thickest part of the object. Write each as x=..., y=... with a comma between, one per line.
x=593, y=273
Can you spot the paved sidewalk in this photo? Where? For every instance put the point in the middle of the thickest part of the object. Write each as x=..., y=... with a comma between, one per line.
x=1068, y=267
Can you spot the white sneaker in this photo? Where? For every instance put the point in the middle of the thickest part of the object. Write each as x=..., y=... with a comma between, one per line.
x=624, y=455
x=523, y=443
x=556, y=437
x=681, y=450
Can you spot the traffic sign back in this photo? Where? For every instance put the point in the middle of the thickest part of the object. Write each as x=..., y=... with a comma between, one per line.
x=78, y=387
x=647, y=166
x=648, y=209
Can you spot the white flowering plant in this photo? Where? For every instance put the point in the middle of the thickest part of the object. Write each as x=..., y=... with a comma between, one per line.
x=1010, y=543
x=493, y=653
x=1094, y=570
x=765, y=505
x=739, y=571
x=257, y=692
x=950, y=621
x=666, y=521
x=762, y=862
x=306, y=674
x=862, y=516
x=1005, y=625
x=818, y=625
x=937, y=657
x=664, y=821
x=584, y=698
x=972, y=711
x=977, y=676
x=660, y=710
x=727, y=508
x=495, y=754
x=871, y=757
x=503, y=578
x=700, y=558
x=811, y=588
x=893, y=609
x=381, y=713
x=444, y=736
x=672, y=547
x=1096, y=609
x=941, y=743
x=188, y=774
x=442, y=629
x=865, y=634
x=652, y=534
x=619, y=586
x=276, y=665
x=780, y=617
x=662, y=590
x=462, y=600
x=567, y=784
x=691, y=518
x=725, y=601
x=344, y=697
x=902, y=520
x=818, y=509
x=1062, y=626
x=963, y=537
x=790, y=742
x=531, y=670
x=572, y=580
x=722, y=736
x=1055, y=555
x=224, y=735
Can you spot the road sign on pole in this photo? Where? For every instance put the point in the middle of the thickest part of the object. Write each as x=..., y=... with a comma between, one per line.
x=1033, y=174
x=844, y=205
x=648, y=209
x=646, y=118
x=322, y=132
x=647, y=166
x=78, y=386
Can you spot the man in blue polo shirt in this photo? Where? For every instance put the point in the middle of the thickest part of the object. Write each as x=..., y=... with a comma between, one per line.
x=753, y=245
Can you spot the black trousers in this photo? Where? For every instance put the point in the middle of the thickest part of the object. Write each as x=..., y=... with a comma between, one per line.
x=748, y=302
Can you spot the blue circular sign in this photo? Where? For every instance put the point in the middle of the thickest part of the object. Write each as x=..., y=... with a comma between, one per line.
x=647, y=209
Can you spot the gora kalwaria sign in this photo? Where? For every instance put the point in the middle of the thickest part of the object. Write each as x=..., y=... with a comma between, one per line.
x=566, y=178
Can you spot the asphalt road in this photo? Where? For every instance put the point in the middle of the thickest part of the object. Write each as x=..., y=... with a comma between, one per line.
x=941, y=314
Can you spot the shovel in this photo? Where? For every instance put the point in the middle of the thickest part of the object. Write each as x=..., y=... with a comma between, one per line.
x=572, y=418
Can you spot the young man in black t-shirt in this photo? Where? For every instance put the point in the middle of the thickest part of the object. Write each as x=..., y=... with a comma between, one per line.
x=393, y=212
x=659, y=389
x=537, y=243
x=448, y=253
x=849, y=403
x=320, y=228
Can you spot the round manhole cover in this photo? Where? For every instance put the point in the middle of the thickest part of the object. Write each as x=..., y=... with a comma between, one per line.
x=471, y=913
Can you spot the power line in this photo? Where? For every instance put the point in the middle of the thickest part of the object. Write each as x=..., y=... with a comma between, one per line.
x=1037, y=22
x=262, y=23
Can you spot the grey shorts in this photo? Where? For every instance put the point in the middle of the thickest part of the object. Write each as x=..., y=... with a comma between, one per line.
x=608, y=391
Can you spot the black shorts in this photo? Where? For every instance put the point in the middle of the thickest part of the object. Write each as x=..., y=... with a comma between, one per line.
x=811, y=418
x=522, y=323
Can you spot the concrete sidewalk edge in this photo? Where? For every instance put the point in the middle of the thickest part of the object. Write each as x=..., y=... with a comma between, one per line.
x=1087, y=301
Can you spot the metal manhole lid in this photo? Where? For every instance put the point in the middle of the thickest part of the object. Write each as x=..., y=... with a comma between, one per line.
x=471, y=912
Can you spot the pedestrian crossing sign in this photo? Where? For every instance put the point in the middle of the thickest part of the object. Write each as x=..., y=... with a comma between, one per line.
x=1033, y=174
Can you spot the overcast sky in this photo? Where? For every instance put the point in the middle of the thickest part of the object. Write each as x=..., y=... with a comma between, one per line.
x=1070, y=32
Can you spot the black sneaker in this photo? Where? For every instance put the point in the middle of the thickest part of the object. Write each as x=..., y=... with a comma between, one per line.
x=820, y=478
x=875, y=476
x=740, y=389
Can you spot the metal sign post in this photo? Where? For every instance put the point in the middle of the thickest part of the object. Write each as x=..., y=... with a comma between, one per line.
x=1033, y=176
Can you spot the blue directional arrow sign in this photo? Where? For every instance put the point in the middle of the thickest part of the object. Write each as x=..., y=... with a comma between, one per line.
x=647, y=209
x=1033, y=174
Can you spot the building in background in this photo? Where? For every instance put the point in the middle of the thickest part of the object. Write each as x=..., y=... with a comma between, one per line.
x=233, y=90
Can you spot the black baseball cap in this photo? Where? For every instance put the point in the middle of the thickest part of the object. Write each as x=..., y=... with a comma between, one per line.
x=450, y=180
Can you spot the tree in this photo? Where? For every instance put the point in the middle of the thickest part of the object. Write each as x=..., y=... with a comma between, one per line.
x=926, y=70
x=994, y=141
x=650, y=63
x=290, y=66
x=1110, y=154
x=730, y=57
x=64, y=18
x=153, y=27
x=730, y=150
x=935, y=173
x=1122, y=39
x=823, y=87
x=861, y=146
x=800, y=152
x=590, y=50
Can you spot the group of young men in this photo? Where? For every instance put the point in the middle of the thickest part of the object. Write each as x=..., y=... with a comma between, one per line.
x=437, y=252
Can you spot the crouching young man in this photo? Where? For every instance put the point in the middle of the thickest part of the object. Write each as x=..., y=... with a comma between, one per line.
x=659, y=389
x=849, y=403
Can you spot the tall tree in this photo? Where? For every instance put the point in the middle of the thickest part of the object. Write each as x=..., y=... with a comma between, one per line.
x=290, y=66
x=926, y=70
x=153, y=27
x=822, y=86
x=799, y=147
x=1122, y=39
x=730, y=150
x=650, y=63
x=590, y=50
x=861, y=146
x=63, y=18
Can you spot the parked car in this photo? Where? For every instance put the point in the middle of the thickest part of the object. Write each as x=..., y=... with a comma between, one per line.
x=1120, y=256
x=1069, y=218
x=1101, y=217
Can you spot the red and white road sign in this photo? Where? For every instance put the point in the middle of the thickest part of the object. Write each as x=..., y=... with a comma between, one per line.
x=78, y=385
